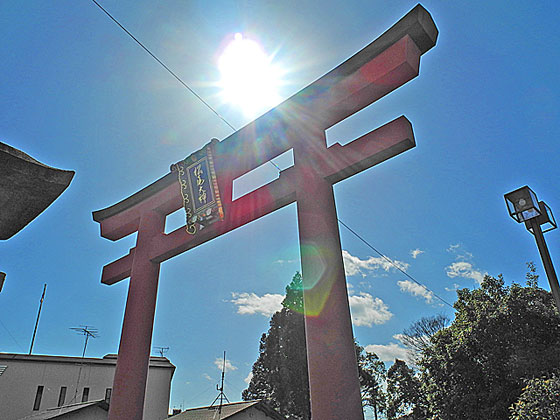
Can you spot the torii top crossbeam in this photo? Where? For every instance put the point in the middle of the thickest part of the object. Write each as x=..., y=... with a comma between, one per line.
x=299, y=123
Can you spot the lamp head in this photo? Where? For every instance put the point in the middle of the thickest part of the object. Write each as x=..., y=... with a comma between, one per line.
x=522, y=204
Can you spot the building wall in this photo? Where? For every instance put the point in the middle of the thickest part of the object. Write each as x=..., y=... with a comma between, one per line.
x=23, y=375
x=89, y=413
x=251, y=414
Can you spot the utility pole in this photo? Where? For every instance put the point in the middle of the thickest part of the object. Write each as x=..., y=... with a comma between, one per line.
x=38, y=315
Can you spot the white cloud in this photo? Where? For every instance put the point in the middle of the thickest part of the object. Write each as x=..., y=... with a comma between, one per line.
x=416, y=252
x=247, y=380
x=389, y=352
x=367, y=310
x=285, y=261
x=206, y=376
x=415, y=290
x=459, y=252
x=219, y=362
x=399, y=337
x=466, y=270
x=354, y=265
x=250, y=303
x=452, y=289
x=453, y=248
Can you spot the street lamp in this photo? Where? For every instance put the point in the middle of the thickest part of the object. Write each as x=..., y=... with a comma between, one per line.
x=523, y=206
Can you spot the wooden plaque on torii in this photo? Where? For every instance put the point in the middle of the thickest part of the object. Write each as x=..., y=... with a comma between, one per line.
x=299, y=123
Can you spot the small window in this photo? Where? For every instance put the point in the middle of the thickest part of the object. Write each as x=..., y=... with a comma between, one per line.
x=108, y=395
x=38, y=396
x=62, y=396
x=85, y=395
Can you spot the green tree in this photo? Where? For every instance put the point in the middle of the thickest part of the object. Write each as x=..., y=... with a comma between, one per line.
x=279, y=374
x=501, y=336
x=418, y=336
x=372, y=373
x=532, y=276
x=403, y=393
x=540, y=399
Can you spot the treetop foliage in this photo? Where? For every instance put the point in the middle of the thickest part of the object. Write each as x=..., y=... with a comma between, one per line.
x=501, y=336
x=540, y=400
x=294, y=294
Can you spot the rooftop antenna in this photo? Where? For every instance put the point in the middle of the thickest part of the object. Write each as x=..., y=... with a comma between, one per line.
x=88, y=331
x=162, y=350
x=38, y=315
x=221, y=396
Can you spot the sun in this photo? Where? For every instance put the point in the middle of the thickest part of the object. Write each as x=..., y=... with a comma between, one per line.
x=249, y=79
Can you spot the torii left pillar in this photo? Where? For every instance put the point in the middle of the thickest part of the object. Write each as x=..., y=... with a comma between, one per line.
x=299, y=124
x=129, y=382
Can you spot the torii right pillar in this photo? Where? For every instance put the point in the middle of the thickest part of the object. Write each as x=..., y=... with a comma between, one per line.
x=329, y=336
x=328, y=327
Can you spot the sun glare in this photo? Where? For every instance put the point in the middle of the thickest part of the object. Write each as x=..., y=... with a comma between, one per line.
x=249, y=80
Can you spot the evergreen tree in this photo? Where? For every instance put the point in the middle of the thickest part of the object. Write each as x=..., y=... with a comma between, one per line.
x=280, y=372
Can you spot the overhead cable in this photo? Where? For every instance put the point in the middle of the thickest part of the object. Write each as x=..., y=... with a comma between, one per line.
x=393, y=264
x=164, y=66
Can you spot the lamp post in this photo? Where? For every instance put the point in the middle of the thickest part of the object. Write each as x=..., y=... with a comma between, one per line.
x=523, y=206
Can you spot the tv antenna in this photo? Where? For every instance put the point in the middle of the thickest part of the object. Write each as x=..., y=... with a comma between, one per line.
x=87, y=331
x=221, y=396
x=162, y=350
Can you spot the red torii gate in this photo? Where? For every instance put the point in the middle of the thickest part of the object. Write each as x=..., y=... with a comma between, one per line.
x=299, y=123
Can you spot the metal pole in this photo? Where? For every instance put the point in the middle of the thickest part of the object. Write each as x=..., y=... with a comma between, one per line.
x=85, y=346
x=38, y=315
x=547, y=262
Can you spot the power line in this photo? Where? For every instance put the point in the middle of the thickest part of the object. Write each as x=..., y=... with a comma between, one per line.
x=384, y=257
x=164, y=66
x=393, y=264
x=10, y=334
x=275, y=165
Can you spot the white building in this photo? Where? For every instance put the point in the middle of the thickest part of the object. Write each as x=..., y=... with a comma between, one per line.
x=33, y=383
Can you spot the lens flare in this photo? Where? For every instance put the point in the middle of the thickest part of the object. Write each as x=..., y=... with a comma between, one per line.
x=249, y=79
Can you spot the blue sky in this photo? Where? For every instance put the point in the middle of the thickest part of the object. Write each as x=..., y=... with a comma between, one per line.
x=77, y=93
